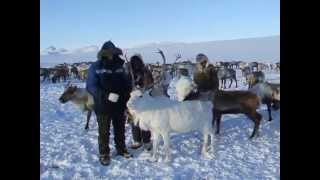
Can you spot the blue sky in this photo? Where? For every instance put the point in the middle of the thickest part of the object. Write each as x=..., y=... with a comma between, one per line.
x=77, y=23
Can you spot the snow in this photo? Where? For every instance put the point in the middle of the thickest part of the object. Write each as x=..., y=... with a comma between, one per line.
x=67, y=151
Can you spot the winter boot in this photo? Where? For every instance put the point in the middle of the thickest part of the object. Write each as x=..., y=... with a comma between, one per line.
x=104, y=159
x=125, y=153
x=147, y=146
x=135, y=145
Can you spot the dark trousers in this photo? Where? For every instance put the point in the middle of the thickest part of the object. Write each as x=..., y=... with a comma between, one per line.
x=140, y=135
x=118, y=123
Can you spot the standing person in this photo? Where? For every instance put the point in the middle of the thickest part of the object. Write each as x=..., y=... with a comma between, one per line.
x=142, y=78
x=110, y=86
x=205, y=75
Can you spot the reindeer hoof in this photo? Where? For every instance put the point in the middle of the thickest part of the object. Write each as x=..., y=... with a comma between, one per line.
x=153, y=159
x=167, y=160
x=254, y=136
x=207, y=156
x=270, y=119
x=86, y=128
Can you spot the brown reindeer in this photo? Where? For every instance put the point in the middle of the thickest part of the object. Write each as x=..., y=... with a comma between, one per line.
x=254, y=78
x=81, y=97
x=278, y=66
x=74, y=71
x=253, y=66
x=269, y=94
x=45, y=72
x=60, y=72
x=224, y=74
x=235, y=102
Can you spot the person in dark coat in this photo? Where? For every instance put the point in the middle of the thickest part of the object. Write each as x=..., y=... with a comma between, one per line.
x=205, y=75
x=142, y=78
x=110, y=87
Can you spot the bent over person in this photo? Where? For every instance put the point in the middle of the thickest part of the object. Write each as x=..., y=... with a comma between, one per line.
x=142, y=78
x=110, y=87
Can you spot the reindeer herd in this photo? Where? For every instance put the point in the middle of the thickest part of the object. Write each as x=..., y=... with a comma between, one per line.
x=150, y=107
x=64, y=72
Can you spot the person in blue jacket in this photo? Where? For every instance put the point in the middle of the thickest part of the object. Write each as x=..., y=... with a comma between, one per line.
x=110, y=87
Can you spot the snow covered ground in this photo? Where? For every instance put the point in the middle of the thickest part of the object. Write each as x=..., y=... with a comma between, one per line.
x=67, y=151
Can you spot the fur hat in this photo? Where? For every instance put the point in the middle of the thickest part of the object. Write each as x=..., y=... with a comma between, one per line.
x=109, y=49
x=201, y=58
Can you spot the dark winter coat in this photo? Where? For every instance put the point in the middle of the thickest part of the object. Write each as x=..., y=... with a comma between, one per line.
x=108, y=76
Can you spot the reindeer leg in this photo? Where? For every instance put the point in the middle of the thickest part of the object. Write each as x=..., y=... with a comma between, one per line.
x=155, y=145
x=204, y=150
x=230, y=83
x=213, y=117
x=212, y=140
x=256, y=118
x=88, y=119
x=218, y=119
x=269, y=110
x=166, y=141
x=235, y=79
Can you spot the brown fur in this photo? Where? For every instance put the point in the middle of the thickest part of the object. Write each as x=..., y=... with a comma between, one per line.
x=206, y=78
x=60, y=72
x=272, y=101
x=83, y=73
x=235, y=102
x=255, y=77
x=70, y=94
x=142, y=75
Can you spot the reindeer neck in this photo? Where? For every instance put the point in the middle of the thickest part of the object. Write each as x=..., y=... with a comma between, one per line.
x=80, y=96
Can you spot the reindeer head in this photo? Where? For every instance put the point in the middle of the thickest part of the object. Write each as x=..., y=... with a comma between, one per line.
x=68, y=93
x=134, y=103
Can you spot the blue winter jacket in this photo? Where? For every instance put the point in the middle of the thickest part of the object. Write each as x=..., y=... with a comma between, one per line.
x=104, y=77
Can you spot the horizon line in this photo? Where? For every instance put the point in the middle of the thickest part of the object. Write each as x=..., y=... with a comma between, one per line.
x=163, y=42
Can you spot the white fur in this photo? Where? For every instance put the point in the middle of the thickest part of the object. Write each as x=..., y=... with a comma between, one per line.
x=263, y=90
x=80, y=94
x=162, y=116
x=113, y=97
x=172, y=89
x=184, y=87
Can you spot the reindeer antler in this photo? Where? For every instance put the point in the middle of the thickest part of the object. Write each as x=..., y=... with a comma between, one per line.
x=162, y=55
x=125, y=56
x=178, y=56
x=130, y=70
x=164, y=63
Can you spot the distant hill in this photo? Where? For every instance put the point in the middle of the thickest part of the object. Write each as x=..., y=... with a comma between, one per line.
x=249, y=49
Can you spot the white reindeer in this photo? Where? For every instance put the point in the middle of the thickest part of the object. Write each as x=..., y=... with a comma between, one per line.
x=154, y=111
x=162, y=116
